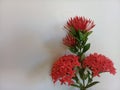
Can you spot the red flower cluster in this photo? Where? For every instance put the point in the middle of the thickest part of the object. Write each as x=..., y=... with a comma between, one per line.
x=80, y=23
x=63, y=69
x=98, y=63
x=69, y=40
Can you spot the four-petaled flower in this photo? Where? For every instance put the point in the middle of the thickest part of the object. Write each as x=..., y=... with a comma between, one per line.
x=63, y=69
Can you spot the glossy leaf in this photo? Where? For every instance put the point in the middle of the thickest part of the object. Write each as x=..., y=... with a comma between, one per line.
x=73, y=49
x=86, y=47
x=80, y=35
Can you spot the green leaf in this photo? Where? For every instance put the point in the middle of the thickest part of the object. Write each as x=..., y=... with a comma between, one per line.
x=73, y=49
x=86, y=47
x=88, y=33
x=90, y=79
x=76, y=79
x=80, y=35
x=74, y=85
x=86, y=76
x=85, y=36
x=91, y=84
x=84, y=41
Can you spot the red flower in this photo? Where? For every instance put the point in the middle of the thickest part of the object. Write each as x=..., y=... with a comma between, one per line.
x=69, y=40
x=63, y=69
x=80, y=23
x=99, y=63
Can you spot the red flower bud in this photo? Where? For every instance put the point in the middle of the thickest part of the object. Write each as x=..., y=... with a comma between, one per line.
x=80, y=23
x=69, y=41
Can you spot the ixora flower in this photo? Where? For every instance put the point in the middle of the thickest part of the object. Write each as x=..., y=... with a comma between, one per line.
x=69, y=40
x=77, y=69
x=63, y=69
x=80, y=23
x=99, y=63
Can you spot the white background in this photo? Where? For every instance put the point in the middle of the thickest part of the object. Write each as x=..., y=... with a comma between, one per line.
x=31, y=33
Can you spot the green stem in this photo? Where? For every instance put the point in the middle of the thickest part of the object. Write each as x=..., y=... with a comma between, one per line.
x=83, y=82
x=83, y=89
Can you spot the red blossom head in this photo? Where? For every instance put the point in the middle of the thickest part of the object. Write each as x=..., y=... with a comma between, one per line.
x=63, y=69
x=80, y=23
x=99, y=63
x=69, y=40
